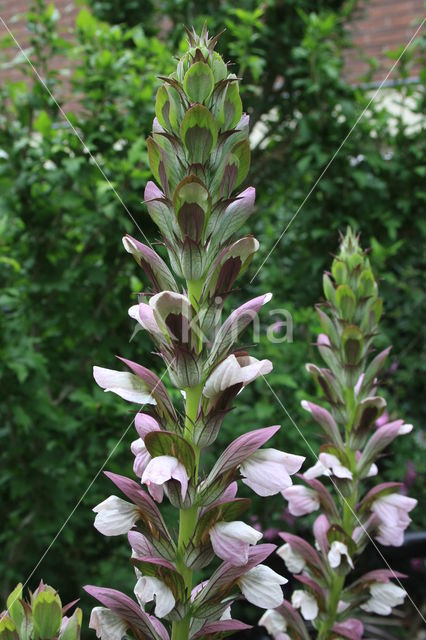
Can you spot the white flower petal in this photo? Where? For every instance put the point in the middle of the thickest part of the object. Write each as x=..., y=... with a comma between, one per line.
x=231, y=541
x=115, y=516
x=337, y=550
x=383, y=597
x=306, y=602
x=124, y=384
x=148, y=589
x=273, y=622
x=108, y=625
x=294, y=562
x=261, y=587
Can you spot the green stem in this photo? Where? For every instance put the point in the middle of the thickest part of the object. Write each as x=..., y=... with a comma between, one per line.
x=188, y=517
x=336, y=587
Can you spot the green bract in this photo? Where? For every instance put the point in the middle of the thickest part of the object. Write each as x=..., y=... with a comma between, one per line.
x=39, y=618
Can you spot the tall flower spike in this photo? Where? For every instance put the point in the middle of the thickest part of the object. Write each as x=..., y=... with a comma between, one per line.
x=353, y=441
x=199, y=155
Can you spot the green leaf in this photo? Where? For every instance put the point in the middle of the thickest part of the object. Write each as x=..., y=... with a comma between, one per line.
x=198, y=82
x=339, y=271
x=233, y=107
x=154, y=156
x=352, y=343
x=166, y=443
x=191, y=202
x=162, y=107
x=366, y=284
x=167, y=107
x=14, y=606
x=199, y=133
x=241, y=154
x=7, y=629
x=47, y=614
x=86, y=22
x=220, y=70
x=73, y=627
x=328, y=287
x=43, y=123
x=346, y=301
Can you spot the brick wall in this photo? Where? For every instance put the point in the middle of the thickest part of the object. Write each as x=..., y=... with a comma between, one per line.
x=13, y=13
x=378, y=25
x=381, y=25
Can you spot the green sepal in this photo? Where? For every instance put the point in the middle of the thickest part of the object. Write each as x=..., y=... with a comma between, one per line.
x=346, y=301
x=8, y=629
x=212, y=491
x=366, y=284
x=162, y=215
x=167, y=443
x=162, y=107
x=241, y=152
x=191, y=202
x=47, y=614
x=192, y=259
x=198, y=557
x=352, y=343
x=14, y=606
x=219, y=68
x=198, y=82
x=232, y=105
x=367, y=412
x=170, y=161
x=328, y=288
x=27, y=625
x=154, y=158
x=375, y=366
x=354, y=261
x=73, y=627
x=377, y=309
x=191, y=189
x=327, y=326
x=199, y=133
x=221, y=157
x=187, y=370
x=339, y=271
x=167, y=108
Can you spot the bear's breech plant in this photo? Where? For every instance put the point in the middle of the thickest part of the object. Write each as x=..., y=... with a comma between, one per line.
x=199, y=155
x=354, y=509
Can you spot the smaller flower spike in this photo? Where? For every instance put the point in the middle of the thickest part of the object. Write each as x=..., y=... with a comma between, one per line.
x=356, y=429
